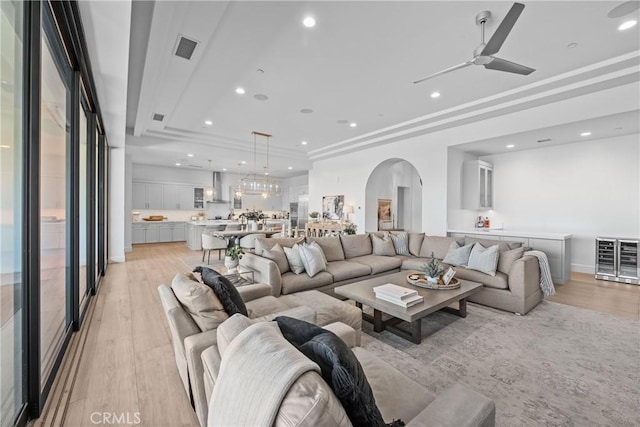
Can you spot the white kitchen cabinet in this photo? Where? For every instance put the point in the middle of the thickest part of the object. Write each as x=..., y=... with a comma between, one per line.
x=171, y=232
x=186, y=197
x=145, y=233
x=477, y=185
x=147, y=195
x=179, y=232
x=170, y=197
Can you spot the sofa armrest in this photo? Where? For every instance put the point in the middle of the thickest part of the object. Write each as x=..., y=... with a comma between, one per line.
x=194, y=346
x=254, y=291
x=458, y=406
x=266, y=271
x=345, y=332
x=524, y=276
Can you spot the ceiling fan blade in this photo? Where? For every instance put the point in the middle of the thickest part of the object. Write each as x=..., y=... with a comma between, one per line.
x=455, y=67
x=495, y=43
x=508, y=66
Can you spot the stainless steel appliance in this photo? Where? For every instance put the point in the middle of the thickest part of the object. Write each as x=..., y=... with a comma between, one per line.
x=617, y=260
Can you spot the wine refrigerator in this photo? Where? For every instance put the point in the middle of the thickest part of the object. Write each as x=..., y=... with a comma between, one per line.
x=617, y=260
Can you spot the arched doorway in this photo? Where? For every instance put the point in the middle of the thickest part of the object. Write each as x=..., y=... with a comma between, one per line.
x=394, y=187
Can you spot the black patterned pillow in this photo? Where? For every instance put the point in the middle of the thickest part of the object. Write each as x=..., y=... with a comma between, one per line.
x=224, y=290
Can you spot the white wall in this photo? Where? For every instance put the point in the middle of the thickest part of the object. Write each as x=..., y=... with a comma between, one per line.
x=457, y=217
x=587, y=189
x=128, y=189
x=117, y=212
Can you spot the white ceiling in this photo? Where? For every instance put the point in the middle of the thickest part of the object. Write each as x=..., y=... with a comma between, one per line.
x=357, y=64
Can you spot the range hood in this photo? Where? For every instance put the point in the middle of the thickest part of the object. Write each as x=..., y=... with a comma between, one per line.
x=217, y=189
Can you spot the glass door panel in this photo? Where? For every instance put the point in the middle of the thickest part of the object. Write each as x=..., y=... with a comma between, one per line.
x=82, y=205
x=11, y=193
x=54, y=215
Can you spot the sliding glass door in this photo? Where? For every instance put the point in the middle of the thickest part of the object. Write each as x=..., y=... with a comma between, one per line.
x=55, y=192
x=11, y=213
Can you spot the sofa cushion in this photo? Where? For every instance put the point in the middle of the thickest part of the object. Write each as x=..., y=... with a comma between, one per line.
x=414, y=263
x=378, y=263
x=458, y=255
x=224, y=290
x=294, y=283
x=265, y=305
x=339, y=368
x=199, y=301
x=344, y=270
x=507, y=258
x=382, y=245
x=331, y=246
x=312, y=259
x=328, y=309
x=415, y=243
x=268, y=243
x=294, y=259
x=502, y=246
x=484, y=259
x=397, y=395
x=356, y=245
x=277, y=255
x=499, y=281
x=401, y=243
x=436, y=245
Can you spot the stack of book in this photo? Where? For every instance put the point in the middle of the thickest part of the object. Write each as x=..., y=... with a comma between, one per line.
x=398, y=295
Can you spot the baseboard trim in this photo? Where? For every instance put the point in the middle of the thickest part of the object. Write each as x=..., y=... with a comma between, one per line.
x=583, y=268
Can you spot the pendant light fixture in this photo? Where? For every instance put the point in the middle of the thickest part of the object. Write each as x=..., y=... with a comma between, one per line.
x=254, y=183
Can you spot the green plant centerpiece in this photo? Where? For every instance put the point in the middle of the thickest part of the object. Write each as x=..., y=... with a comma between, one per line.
x=232, y=257
x=350, y=228
x=314, y=216
x=432, y=270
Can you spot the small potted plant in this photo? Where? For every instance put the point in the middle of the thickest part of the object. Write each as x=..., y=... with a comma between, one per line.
x=432, y=270
x=231, y=259
x=350, y=228
x=314, y=216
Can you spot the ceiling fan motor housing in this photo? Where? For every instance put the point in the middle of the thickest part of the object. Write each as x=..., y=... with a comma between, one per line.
x=483, y=17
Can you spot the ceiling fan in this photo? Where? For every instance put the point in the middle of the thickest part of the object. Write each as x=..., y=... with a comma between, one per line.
x=483, y=54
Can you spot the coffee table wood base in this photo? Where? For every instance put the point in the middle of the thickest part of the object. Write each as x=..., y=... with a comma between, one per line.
x=414, y=334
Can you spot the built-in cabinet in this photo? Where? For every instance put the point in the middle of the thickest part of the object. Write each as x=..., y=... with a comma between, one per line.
x=151, y=195
x=557, y=248
x=148, y=232
x=477, y=185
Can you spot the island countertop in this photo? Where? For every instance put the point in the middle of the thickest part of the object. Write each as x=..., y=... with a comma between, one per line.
x=514, y=233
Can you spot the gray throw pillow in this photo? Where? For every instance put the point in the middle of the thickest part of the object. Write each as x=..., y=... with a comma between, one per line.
x=199, y=301
x=401, y=243
x=293, y=256
x=484, y=259
x=458, y=256
x=277, y=255
x=382, y=245
x=507, y=258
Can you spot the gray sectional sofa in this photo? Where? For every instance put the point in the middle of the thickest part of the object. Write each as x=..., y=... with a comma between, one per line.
x=352, y=258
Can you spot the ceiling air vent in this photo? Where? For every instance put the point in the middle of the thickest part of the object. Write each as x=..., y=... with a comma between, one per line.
x=158, y=117
x=544, y=140
x=185, y=47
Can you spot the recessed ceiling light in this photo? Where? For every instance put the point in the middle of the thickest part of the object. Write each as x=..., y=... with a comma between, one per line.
x=244, y=162
x=627, y=24
x=353, y=124
x=189, y=155
x=266, y=173
x=304, y=143
x=585, y=134
x=435, y=94
x=224, y=169
x=290, y=167
x=309, y=22
x=572, y=45
x=5, y=146
x=510, y=146
x=178, y=164
x=208, y=122
x=240, y=91
x=260, y=97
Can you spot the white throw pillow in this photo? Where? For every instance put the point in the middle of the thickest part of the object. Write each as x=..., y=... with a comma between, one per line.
x=484, y=259
x=382, y=245
x=199, y=301
x=401, y=243
x=293, y=256
x=318, y=247
x=458, y=256
x=312, y=259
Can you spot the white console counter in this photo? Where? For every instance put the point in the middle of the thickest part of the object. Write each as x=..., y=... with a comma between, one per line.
x=557, y=246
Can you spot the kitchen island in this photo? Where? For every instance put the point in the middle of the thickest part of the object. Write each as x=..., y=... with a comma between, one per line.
x=557, y=246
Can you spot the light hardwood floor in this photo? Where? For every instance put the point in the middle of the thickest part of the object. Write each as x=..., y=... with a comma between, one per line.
x=126, y=365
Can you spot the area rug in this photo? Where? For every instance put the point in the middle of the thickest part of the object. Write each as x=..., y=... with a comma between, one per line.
x=557, y=366
x=195, y=260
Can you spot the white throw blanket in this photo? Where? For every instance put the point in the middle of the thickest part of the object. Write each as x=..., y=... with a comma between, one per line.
x=257, y=370
x=546, y=283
